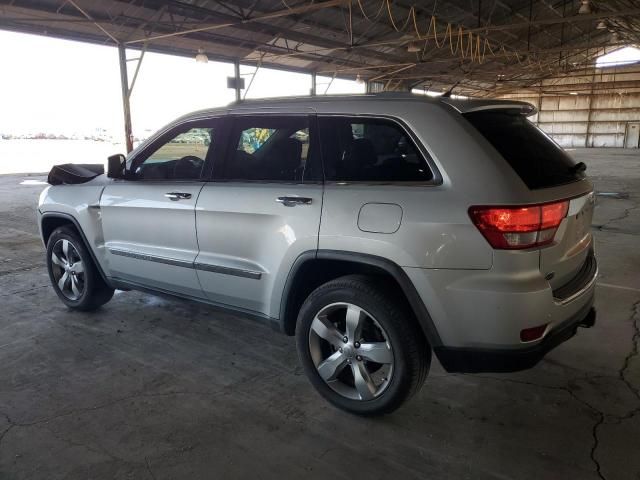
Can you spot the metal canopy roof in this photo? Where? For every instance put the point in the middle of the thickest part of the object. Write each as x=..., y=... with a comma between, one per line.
x=483, y=47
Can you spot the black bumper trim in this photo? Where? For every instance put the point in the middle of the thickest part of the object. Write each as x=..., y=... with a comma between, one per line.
x=585, y=276
x=476, y=360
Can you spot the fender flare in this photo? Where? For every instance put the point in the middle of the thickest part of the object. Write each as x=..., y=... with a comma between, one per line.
x=391, y=268
x=87, y=245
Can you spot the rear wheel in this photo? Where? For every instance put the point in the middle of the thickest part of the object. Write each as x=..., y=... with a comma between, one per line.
x=360, y=347
x=73, y=274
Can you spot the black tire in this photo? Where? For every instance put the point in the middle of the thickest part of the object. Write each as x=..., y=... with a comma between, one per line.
x=93, y=292
x=411, y=354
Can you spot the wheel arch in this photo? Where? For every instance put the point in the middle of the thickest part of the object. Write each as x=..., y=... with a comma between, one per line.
x=52, y=220
x=312, y=269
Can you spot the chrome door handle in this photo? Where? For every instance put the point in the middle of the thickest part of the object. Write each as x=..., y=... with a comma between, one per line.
x=177, y=196
x=293, y=201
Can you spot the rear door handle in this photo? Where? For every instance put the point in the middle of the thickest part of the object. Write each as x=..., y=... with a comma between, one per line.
x=293, y=201
x=177, y=196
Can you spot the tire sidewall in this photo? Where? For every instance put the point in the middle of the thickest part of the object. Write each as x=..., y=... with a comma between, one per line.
x=89, y=270
x=399, y=385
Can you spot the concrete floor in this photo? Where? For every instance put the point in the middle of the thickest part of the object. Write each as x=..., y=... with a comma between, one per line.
x=152, y=388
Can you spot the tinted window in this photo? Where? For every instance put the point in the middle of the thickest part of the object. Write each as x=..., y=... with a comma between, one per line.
x=181, y=157
x=536, y=158
x=359, y=149
x=269, y=149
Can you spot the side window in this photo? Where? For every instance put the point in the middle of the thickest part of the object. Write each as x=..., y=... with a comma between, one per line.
x=253, y=138
x=180, y=157
x=265, y=148
x=370, y=150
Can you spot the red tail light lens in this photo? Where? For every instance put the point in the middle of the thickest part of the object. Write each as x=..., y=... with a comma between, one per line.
x=519, y=226
x=531, y=334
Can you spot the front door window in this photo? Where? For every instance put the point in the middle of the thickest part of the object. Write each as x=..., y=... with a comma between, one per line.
x=181, y=157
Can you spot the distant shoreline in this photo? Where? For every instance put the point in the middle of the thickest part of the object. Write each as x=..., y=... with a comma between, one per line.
x=36, y=155
x=25, y=174
x=5, y=137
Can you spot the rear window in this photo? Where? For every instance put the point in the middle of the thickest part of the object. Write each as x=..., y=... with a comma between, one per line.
x=537, y=159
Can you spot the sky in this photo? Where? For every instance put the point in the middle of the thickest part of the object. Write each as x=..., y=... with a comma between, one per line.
x=63, y=87
x=59, y=86
x=619, y=57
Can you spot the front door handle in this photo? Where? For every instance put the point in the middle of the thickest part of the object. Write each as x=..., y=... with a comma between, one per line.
x=177, y=196
x=293, y=201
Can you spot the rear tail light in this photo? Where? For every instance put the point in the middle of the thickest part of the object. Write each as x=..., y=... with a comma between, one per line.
x=518, y=227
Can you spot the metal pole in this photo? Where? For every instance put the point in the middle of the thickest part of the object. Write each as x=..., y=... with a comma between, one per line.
x=590, y=111
x=124, y=80
x=236, y=70
x=313, y=84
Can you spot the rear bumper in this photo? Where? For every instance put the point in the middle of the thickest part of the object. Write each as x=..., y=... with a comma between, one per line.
x=489, y=309
x=475, y=360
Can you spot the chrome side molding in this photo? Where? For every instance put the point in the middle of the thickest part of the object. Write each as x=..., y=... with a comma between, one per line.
x=236, y=272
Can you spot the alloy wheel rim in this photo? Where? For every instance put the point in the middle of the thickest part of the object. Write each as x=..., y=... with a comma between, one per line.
x=68, y=269
x=351, y=351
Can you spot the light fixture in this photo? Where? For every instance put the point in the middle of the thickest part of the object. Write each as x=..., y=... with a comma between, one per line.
x=413, y=47
x=601, y=25
x=573, y=93
x=201, y=57
x=585, y=7
x=359, y=79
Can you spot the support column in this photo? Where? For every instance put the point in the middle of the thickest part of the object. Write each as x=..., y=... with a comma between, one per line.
x=124, y=81
x=236, y=72
x=539, y=105
x=589, y=112
x=313, y=84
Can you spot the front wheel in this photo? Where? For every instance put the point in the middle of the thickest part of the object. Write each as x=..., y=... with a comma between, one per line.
x=73, y=274
x=359, y=346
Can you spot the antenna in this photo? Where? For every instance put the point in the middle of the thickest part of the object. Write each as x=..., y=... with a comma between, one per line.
x=448, y=93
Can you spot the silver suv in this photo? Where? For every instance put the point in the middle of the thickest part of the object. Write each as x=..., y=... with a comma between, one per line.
x=374, y=228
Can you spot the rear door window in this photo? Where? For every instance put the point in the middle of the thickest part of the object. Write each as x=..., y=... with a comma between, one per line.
x=370, y=150
x=269, y=149
x=537, y=159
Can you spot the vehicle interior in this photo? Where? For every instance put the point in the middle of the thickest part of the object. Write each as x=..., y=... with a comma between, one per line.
x=182, y=158
x=372, y=151
x=279, y=155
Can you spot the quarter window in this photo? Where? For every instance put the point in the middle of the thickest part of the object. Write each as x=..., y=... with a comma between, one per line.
x=182, y=157
x=268, y=149
x=371, y=150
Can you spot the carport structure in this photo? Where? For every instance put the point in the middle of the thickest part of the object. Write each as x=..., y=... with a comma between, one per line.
x=478, y=48
x=157, y=388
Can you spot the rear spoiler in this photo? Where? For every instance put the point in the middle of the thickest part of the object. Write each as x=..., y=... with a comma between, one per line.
x=71, y=173
x=477, y=105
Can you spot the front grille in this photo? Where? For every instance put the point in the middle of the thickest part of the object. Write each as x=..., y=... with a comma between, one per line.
x=579, y=282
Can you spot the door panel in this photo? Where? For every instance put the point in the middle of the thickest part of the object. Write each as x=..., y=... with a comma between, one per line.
x=151, y=239
x=249, y=241
x=149, y=219
x=260, y=215
x=632, y=135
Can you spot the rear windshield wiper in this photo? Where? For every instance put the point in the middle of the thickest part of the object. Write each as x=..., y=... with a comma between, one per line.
x=578, y=168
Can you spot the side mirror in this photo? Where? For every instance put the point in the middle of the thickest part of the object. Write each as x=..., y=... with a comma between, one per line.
x=116, y=166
